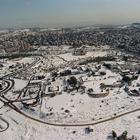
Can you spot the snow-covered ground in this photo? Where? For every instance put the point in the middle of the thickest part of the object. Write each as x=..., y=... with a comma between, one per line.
x=70, y=57
x=26, y=129
x=67, y=108
x=6, y=63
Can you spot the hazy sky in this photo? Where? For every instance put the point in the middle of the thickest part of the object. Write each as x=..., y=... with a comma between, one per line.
x=51, y=13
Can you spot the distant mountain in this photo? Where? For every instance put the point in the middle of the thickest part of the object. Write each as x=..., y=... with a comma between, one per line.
x=129, y=26
x=135, y=25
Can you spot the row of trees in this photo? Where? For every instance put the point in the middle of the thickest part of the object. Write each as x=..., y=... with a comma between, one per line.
x=123, y=136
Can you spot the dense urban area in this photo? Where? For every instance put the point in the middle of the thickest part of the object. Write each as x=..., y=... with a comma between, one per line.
x=73, y=83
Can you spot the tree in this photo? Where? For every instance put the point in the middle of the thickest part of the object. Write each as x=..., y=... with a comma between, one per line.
x=114, y=135
x=72, y=81
x=126, y=79
x=125, y=58
x=123, y=136
x=54, y=74
x=0, y=86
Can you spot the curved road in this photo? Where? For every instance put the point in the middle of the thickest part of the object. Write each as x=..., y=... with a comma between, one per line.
x=68, y=124
x=10, y=83
x=37, y=59
x=11, y=105
x=7, y=124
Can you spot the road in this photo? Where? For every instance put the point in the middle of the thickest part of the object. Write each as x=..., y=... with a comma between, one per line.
x=9, y=85
x=37, y=59
x=12, y=106
x=6, y=123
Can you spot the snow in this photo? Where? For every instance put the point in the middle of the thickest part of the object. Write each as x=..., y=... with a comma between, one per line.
x=24, y=60
x=31, y=130
x=71, y=108
x=6, y=63
x=70, y=57
x=20, y=84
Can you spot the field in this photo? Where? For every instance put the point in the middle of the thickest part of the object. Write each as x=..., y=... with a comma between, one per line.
x=59, y=95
